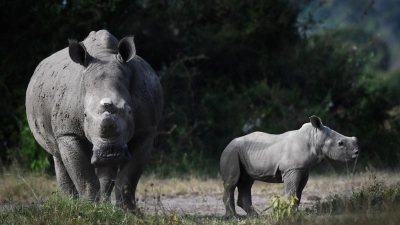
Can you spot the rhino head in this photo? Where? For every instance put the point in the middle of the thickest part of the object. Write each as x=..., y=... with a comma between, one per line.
x=332, y=144
x=108, y=115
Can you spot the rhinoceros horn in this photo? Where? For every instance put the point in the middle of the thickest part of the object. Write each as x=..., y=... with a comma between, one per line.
x=107, y=123
x=107, y=105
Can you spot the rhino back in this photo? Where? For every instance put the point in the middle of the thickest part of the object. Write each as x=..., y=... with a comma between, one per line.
x=257, y=158
x=53, y=100
x=265, y=156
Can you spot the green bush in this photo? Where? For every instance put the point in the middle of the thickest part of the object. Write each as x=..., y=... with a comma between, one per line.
x=282, y=210
x=227, y=69
x=30, y=154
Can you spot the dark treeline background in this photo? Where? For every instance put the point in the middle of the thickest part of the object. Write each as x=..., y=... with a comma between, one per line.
x=227, y=67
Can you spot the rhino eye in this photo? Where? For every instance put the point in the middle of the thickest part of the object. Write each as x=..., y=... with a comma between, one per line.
x=84, y=114
x=340, y=143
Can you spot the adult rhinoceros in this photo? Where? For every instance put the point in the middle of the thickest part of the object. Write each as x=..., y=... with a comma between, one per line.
x=286, y=158
x=96, y=104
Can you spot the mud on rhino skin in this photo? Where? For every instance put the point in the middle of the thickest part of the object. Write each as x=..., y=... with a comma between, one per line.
x=96, y=104
x=285, y=158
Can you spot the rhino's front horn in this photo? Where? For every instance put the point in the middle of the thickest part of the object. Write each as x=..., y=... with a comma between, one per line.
x=107, y=104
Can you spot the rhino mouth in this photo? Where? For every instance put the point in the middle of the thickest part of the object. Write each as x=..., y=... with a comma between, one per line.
x=355, y=154
x=110, y=155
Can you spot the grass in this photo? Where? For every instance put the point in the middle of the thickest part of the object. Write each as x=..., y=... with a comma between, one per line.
x=19, y=187
x=364, y=198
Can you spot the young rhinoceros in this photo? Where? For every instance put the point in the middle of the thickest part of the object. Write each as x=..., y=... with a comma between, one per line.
x=286, y=158
x=96, y=104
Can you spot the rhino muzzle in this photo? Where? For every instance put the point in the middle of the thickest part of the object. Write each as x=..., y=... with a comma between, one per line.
x=110, y=155
x=108, y=126
x=355, y=154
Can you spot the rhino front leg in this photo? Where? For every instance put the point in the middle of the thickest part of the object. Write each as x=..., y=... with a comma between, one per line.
x=302, y=184
x=64, y=181
x=74, y=155
x=292, y=180
x=106, y=177
x=130, y=173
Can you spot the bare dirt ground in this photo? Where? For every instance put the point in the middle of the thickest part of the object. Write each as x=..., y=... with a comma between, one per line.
x=204, y=198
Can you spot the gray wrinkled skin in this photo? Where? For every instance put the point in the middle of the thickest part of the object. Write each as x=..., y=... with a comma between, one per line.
x=95, y=106
x=286, y=158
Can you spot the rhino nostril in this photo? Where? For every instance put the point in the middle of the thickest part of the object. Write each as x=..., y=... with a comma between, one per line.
x=356, y=152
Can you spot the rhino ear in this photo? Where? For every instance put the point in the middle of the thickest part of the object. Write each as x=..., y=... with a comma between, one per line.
x=126, y=49
x=78, y=53
x=316, y=122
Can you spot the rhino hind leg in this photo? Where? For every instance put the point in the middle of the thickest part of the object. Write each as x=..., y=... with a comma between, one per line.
x=230, y=173
x=244, y=194
x=229, y=200
x=64, y=181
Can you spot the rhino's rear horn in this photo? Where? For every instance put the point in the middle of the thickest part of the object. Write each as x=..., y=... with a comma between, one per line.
x=78, y=53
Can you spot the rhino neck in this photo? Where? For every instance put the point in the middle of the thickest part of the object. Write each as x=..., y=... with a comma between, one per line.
x=316, y=139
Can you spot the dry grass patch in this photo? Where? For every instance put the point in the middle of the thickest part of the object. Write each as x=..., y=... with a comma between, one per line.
x=192, y=196
x=320, y=185
x=180, y=186
x=21, y=187
x=347, y=183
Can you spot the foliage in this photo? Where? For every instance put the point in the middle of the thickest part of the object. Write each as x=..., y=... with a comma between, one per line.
x=30, y=152
x=369, y=19
x=227, y=69
x=282, y=209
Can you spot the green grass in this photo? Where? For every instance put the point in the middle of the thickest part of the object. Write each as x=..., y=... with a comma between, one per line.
x=61, y=210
